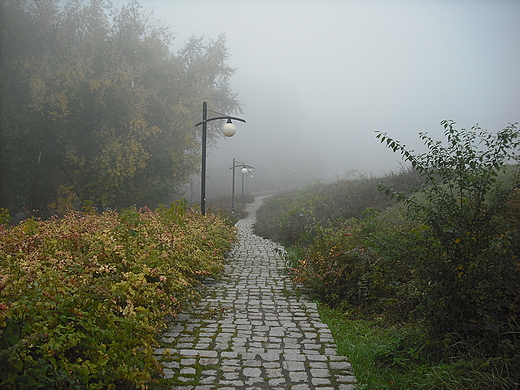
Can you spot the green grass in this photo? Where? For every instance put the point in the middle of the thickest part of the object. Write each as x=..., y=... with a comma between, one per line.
x=390, y=356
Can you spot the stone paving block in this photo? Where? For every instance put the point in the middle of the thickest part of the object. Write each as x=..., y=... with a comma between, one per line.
x=320, y=358
x=252, y=372
x=298, y=376
x=347, y=378
x=274, y=372
x=277, y=382
x=188, y=371
x=271, y=364
x=268, y=335
x=320, y=381
x=294, y=355
x=320, y=372
x=231, y=375
x=347, y=387
x=208, y=361
x=252, y=363
x=168, y=373
x=293, y=366
x=301, y=387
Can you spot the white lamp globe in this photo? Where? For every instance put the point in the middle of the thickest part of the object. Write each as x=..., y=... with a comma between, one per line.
x=244, y=170
x=229, y=129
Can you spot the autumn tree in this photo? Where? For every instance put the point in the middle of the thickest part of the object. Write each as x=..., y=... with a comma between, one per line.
x=94, y=101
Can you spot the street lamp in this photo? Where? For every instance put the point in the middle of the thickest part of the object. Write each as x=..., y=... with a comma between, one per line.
x=229, y=129
x=245, y=169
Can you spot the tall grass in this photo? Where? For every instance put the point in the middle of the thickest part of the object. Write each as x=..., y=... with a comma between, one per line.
x=289, y=217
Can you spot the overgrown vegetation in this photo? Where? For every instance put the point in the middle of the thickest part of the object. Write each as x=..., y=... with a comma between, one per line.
x=223, y=207
x=289, y=217
x=442, y=260
x=83, y=298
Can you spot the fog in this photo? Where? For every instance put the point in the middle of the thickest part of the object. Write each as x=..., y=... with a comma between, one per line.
x=318, y=78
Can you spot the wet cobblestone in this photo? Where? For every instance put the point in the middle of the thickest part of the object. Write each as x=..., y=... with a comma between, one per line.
x=254, y=329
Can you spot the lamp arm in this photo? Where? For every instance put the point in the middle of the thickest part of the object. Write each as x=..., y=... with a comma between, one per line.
x=242, y=166
x=221, y=117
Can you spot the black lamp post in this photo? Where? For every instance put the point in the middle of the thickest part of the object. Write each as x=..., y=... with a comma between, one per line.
x=229, y=129
x=245, y=169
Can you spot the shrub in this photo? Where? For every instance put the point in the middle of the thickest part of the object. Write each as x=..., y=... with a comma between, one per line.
x=367, y=263
x=83, y=298
x=5, y=217
x=223, y=207
x=471, y=283
x=334, y=267
x=290, y=217
x=282, y=218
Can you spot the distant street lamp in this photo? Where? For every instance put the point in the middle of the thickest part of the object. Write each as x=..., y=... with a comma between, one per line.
x=229, y=129
x=245, y=169
x=244, y=176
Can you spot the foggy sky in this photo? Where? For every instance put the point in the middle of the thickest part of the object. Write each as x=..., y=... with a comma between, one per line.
x=317, y=78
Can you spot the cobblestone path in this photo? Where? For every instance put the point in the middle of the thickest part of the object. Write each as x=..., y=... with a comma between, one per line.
x=254, y=329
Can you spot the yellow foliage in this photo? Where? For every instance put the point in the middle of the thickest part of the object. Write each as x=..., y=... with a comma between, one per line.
x=39, y=91
x=67, y=200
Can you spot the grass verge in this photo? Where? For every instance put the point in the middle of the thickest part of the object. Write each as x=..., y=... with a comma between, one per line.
x=390, y=356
